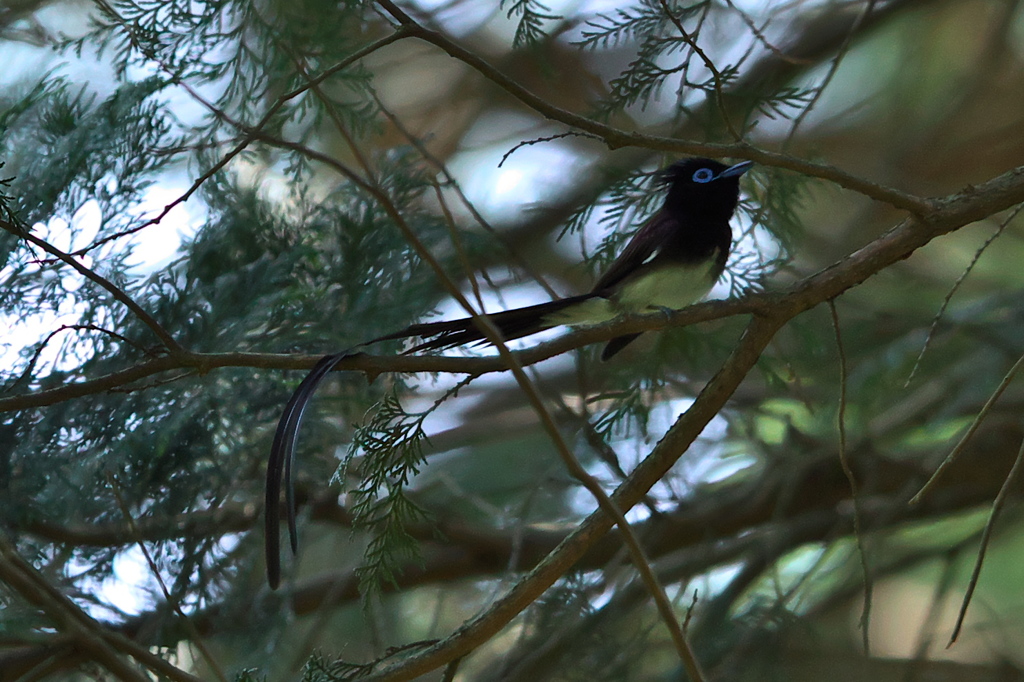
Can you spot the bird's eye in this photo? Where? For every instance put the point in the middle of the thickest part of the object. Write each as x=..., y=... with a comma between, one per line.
x=704, y=175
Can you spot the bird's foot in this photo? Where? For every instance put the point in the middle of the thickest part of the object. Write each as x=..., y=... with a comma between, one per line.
x=664, y=310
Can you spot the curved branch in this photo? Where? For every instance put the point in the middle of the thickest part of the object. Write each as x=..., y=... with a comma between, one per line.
x=615, y=138
x=173, y=347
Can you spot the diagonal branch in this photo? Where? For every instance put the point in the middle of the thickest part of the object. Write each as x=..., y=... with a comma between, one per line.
x=675, y=443
x=615, y=138
x=907, y=237
x=104, y=647
x=172, y=346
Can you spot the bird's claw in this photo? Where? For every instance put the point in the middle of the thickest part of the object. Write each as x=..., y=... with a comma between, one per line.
x=665, y=310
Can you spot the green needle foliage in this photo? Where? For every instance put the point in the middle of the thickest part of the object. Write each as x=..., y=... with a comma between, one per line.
x=391, y=444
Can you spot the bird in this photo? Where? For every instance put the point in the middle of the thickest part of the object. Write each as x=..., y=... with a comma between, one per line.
x=672, y=261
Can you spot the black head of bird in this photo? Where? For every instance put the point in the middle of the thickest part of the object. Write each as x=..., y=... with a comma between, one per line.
x=704, y=186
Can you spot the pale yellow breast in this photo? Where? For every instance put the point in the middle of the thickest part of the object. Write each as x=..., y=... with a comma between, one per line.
x=666, y=287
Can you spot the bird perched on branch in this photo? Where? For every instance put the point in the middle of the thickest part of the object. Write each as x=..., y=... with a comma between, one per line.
x=671, y=262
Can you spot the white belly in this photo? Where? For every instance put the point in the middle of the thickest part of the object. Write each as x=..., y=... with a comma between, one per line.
x=671, y=287
x=667, y=287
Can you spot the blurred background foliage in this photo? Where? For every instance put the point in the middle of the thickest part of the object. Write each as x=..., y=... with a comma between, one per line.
x=431, y=494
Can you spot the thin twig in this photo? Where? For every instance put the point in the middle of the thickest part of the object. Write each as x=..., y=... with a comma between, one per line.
x=978, y=419
x=248, y=134
x=986, y=537
x=936, y=606
x=332, y=112
x=615, y=138
x=94, y=640
x=460, y=251
x=689, y=612
x=194, y=635
x=715, y=73
x=450, y=180
x=844, y=460
x=540, y=140
x=952, y=291
x=65, y=327
x=172, y=346
x=759, y=34
x=450, y=670
x=833, y=67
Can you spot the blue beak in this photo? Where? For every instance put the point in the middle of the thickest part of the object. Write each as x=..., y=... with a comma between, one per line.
x=739, y=169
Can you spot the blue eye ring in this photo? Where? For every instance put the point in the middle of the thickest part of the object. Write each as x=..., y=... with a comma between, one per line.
x=704, y=175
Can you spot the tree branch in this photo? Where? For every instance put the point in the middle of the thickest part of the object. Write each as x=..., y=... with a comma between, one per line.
x=170, y=344
x=615, y=138
x=949, y=214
